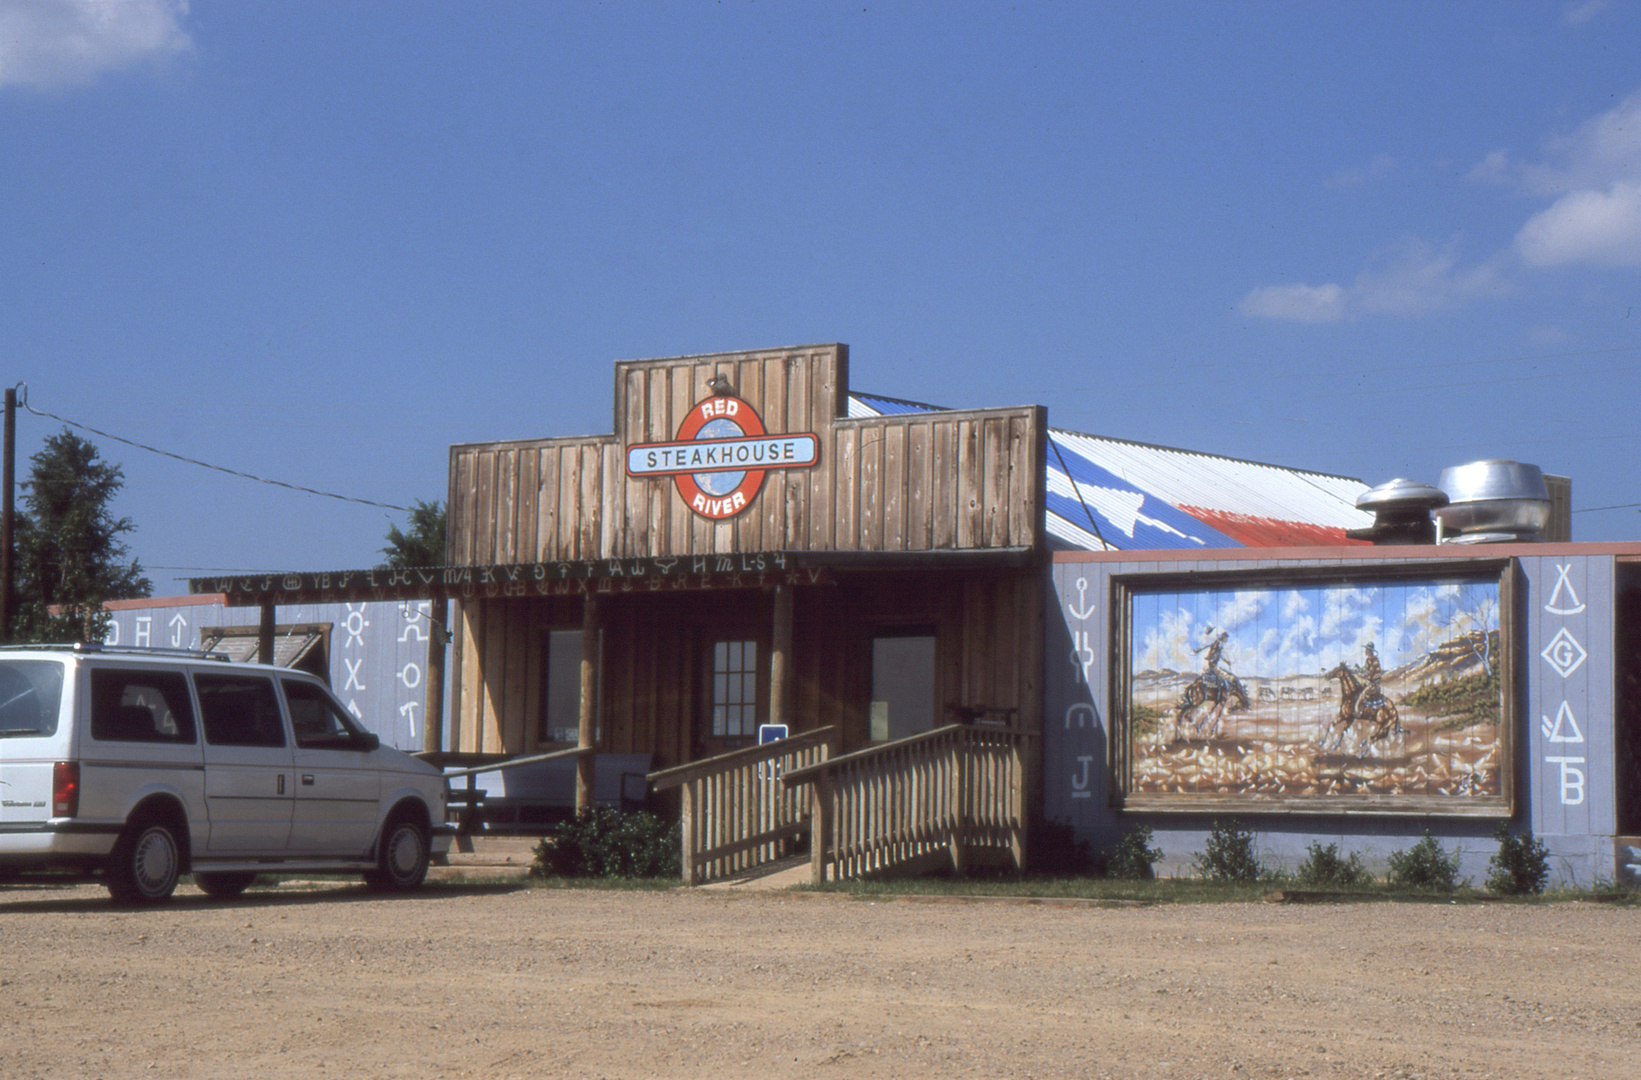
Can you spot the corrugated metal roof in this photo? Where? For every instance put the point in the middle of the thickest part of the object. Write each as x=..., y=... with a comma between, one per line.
x=242, y=646
x=872, y=405
x=1112, y=493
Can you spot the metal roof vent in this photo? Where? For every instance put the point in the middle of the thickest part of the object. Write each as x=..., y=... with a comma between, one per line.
x=1401, y=513
x=1493, y=501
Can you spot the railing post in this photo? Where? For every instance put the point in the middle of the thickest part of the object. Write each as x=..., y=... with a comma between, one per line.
x=820, y=827
x=587, y=719
x=1017, y=802
x=686, y=831
x=960, y=800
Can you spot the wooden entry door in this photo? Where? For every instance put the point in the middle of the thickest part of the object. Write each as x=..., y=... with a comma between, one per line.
x=735, y=692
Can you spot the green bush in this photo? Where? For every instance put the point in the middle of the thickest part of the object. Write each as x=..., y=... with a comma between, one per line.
x=1132, y=856
x=1424, y=866
x=1521, y=867
x=1229, y=855
x=608, y=843
x=1326, y=868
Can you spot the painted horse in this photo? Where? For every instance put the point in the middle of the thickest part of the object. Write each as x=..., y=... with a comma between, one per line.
x=1227, y=695
x=1374, y=719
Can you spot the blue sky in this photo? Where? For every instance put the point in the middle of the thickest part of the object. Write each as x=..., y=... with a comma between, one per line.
x=321, y=242
x=1303, y=630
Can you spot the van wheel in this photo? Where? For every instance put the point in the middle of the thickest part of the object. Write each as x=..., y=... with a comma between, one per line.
x=401, y=861
x=224, y=886
x=143, y=867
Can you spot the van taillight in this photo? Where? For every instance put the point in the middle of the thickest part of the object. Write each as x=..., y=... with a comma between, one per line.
x=65, y=789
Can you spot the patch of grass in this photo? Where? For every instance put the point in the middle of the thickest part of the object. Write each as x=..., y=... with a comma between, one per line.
x=1185, y=890
x=1040, y=887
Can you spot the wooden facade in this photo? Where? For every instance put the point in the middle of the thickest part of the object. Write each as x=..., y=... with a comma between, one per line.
x=944, y=481
x=929, y=523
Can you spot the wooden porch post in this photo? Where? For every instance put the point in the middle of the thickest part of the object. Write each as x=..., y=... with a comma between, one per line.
x=265, y=633
x=438, y=637
x=780, y=659
x=589, y=705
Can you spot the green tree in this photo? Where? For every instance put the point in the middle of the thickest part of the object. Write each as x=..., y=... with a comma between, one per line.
x=422, y=544
x=70, y=558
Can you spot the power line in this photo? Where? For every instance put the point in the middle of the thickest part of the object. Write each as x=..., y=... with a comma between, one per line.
x=22, y=399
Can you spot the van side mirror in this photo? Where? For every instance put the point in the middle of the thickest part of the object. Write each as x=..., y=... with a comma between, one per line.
x=366, y=741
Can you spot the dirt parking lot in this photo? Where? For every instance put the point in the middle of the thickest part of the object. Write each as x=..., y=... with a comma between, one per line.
x=524, y=982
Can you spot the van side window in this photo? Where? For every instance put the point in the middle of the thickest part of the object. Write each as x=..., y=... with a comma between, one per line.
x=140, y=706
x=239, y=710
x=316, y=721
x=31, y=692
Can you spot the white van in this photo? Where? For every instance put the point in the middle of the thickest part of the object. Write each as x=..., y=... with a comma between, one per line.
x=143, y=765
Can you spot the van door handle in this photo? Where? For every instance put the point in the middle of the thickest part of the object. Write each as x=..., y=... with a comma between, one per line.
x=281, y=788
x=307, y=779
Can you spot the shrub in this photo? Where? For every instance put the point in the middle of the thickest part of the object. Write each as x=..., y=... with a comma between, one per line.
x=1325, y=867
x=1229, y=855
x=1132, y=856
x=1424, y=866
x=608, y=843
x=1521, y=867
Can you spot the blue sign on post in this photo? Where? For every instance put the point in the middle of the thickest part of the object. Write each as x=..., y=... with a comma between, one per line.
x=768, y=733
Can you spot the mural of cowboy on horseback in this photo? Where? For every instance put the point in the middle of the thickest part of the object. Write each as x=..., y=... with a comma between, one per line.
x=1361, y=699
x=1222, y=691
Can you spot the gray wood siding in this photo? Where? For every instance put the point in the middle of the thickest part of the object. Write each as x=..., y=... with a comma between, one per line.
x=1574, y=813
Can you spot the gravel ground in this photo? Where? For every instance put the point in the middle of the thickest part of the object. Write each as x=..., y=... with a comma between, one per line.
x=512, y=981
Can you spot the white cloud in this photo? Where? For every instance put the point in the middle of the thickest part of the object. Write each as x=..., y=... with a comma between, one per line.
x=1295, y=303
x=45, y=44
x=1409, y=278
x=1589, y=177
x=1592, y=228
x=1593, y=176
x=1580, y=13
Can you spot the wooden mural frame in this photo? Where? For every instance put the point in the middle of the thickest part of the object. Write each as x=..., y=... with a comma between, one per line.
x=1274, y=747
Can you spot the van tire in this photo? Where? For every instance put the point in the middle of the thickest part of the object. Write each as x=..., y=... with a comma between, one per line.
x=145, y=863
x=402, y=856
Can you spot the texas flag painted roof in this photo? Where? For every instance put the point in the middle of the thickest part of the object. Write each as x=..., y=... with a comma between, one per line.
x=1112, y=494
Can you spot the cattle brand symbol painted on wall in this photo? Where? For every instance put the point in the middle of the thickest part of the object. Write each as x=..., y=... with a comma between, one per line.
x=721, y=455
x=1564, y=653
x=1303, y=695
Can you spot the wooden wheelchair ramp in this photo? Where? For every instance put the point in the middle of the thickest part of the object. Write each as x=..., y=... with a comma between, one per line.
x=952, y=798
x=737, y=815
x=949, y=798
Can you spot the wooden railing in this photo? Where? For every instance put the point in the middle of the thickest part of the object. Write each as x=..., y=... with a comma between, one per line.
x=471, y=796
x=736, y=813
x=948, y=797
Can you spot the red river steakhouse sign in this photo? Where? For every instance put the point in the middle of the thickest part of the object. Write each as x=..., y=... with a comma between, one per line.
x=720, y=456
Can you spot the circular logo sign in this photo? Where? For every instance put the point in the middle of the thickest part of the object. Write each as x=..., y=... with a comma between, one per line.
x=720, y=456
x=713, y=493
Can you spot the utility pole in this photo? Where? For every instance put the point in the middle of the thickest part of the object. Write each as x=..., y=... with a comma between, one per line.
x=8, y=480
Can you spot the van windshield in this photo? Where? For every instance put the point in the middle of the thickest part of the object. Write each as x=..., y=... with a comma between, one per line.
x=31, y=693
